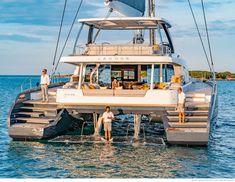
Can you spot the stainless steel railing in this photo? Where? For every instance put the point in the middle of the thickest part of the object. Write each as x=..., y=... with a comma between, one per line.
x=108, y=49
x=26, y=84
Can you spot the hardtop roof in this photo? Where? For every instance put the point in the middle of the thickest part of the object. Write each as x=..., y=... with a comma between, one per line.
x=120, y=23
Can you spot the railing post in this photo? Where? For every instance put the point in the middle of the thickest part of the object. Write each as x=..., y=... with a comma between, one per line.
x=161, y=73
x=80, y=77
x=152, y=77
x=30, y=82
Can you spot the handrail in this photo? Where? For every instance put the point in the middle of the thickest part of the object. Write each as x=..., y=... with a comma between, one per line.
x=28, y=81
x=143, y=127
x=186, y=86
x=121, y=49
x=24, y=82
x=127, y=132
x=212, y=103
x=83, y=127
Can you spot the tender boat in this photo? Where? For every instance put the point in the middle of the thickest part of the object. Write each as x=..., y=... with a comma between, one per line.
x=148, y=70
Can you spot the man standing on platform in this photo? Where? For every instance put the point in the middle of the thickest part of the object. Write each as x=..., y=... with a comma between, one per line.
x=45, y=82
x=107, y=119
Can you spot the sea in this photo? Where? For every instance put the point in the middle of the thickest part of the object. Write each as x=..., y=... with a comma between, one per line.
x=46, y=160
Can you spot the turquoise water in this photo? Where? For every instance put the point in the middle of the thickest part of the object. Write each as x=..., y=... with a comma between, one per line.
x=37, y=160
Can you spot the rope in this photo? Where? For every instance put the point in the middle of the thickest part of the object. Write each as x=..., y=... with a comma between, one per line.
x=199, y=34
x=59, y=35
x=208, y=37
x=70, y=31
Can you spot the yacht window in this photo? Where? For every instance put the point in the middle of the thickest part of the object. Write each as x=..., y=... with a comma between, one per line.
x=156, y=76
x=89, y=69
x=165, y=40
x=144, y=75
x=125, y=72
x=129, y=75
x=117, y=74
x=105, y=75
x=149, y=68
x=167, y=72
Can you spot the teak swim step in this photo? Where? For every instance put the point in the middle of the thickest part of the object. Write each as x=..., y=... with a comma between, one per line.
x=30, y=114
x=189, y=118
x=38, y=108
x=190, y=113
x=35, y=120
x=188, y=125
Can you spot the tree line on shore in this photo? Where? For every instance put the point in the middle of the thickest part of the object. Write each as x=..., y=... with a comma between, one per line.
x=208, y=75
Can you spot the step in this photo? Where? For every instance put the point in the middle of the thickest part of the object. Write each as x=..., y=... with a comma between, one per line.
x=189, y=118
x=201, y=100
x=32, y=114
x=196, y=106
x=52, y=93
x=188, y=125
x=38, y=108
x=189, y=136
x=187, y=130
x=196, y=95
x=51, y=102
x=189, y=113
x=28, y=125
x=35, y=120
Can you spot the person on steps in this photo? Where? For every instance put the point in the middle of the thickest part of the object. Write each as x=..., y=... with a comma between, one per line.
x=181, y=105
x=45, y=82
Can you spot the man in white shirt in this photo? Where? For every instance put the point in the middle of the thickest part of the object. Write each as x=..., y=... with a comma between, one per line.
x=45, y=82
x=181, y=105
x=107, y=119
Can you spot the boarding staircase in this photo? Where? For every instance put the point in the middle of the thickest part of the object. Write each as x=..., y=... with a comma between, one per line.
x=34, y=115
x=195, y=128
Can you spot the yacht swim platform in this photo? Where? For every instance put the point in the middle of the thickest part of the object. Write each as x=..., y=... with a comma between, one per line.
x=147, y=141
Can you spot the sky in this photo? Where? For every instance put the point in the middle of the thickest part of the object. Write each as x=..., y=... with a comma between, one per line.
x=29, y=30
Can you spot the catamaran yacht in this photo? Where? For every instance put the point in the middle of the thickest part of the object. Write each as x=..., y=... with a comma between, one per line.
x=147, y=68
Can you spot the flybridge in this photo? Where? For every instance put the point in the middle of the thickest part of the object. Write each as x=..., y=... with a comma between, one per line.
x=129, y=23
x=139, y=46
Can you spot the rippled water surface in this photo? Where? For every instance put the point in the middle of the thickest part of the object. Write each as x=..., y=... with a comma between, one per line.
x=38, y=160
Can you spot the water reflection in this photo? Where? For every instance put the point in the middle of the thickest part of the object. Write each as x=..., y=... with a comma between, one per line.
x=107, y=152
x=32, y=159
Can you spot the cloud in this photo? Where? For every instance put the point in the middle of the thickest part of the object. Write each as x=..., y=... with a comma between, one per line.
x=20, y=38
x=31, y=33
x=220, y=27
